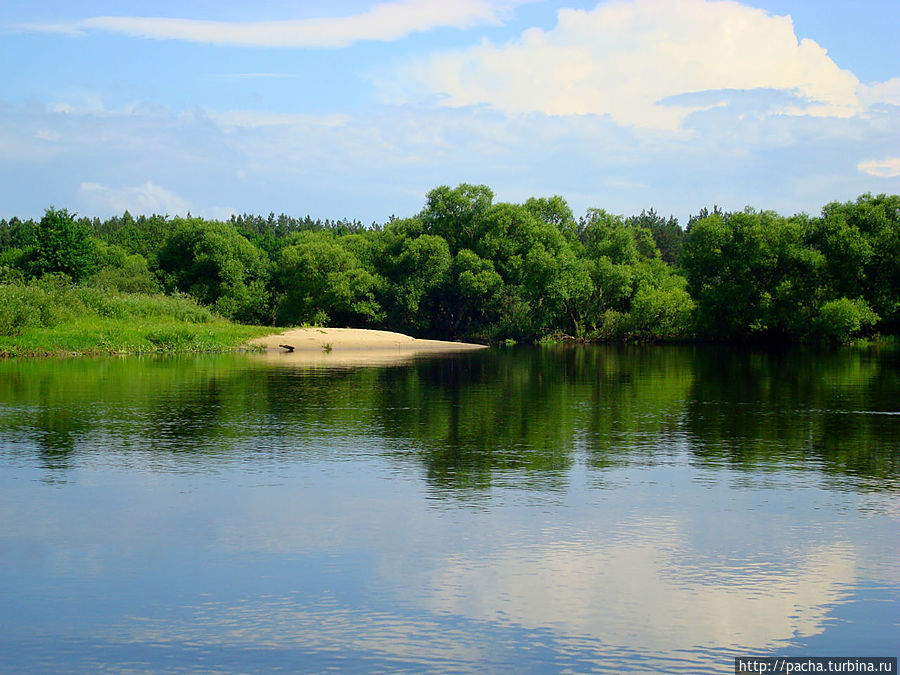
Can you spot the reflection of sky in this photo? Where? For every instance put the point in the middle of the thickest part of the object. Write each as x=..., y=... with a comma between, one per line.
x=624, y=594
x=342, y=558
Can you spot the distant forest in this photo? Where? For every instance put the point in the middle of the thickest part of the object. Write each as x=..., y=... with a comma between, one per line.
x=466, y=267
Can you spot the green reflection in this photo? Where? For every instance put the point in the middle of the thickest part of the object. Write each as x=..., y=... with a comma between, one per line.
x=526, y=414
x=836, y=410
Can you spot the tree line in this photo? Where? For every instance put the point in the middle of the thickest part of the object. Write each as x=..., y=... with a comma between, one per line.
x=467, y=267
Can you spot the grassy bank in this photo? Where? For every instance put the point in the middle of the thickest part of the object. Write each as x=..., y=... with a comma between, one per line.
x=47, y=318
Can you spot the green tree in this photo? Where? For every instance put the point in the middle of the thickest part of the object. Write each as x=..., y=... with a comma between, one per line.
x=456, y=214
x=62, y=246
x=546, y=284
x=323, y=281
x=667, y=235
x=861, y=244
x=472, y=305
x=752, y=275
x=118, y=270
x=145, y=236
x=418, y=271
x=661, y=313
x=212, y=262
x=556, y=212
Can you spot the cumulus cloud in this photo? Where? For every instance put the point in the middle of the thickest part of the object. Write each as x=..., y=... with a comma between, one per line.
x=625, y=57
x=883, y=168
x=881, y=92
x=386, y=21
x=146, y=198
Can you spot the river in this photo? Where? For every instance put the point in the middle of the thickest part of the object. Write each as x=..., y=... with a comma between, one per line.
x=566, y=509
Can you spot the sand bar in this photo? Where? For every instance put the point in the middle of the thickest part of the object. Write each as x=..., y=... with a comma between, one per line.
x=350, y=346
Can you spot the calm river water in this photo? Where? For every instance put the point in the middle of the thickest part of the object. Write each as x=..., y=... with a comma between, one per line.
x=527, y=510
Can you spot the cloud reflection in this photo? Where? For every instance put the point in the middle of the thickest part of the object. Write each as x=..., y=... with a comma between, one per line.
x=637, y=591
x=574, y=603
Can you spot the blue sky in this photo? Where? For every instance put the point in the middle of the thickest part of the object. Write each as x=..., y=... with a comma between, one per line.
x=356, y=109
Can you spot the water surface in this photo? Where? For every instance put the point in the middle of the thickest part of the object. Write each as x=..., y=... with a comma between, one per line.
x=529, y=510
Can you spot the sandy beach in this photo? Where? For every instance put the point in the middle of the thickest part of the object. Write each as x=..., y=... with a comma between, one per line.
x=350, y=346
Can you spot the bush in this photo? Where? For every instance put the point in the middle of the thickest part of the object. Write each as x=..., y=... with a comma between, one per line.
x=659, y=314
x=841, y=319
x=37, y=305
x=613, y=326
x=50, y=301
x=119, y=271
x=16, y=312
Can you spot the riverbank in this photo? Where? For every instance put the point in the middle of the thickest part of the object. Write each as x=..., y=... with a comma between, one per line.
x=58, y=319
x=349, y=346
x=124, y=336
x=61, y=320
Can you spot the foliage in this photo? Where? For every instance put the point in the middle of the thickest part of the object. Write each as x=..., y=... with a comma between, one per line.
x=666, y=232
x=61, y=246
x=470, y=268
x=120, y=271
x=752, y=274
x=842, y=319
x=417, y=271
x=322, y=280
x=861, y=244
x=456, y=214
x=50, y=316
x=556, y=212
x=216, y=265
x=145, y=236
x=662, y=313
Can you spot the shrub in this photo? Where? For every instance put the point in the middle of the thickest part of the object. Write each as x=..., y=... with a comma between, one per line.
x=841, y=319
x=659, y=313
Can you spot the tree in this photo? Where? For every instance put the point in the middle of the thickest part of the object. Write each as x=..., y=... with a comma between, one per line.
x=554, y=211
x=456, y=214
x=861, y=244
x=117, y=270
x=608, y=235
x=667, y=234
x=211, y=261
x=418, y=269
x=661, y=313
x=752, y=275
x=473, y=301
x=841, y=319
x=323, y=281
x=62, y=246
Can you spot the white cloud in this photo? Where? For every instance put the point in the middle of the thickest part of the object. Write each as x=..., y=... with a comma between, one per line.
x=147, y=198
x=382, y=161
x=386, y=21
x=883, y=168
x=255, y=118
x=625, y=57
x=881, y=92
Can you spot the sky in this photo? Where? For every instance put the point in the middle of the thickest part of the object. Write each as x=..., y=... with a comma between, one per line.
x=356, y=109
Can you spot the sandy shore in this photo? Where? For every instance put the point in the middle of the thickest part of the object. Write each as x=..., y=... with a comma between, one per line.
x=350, y=346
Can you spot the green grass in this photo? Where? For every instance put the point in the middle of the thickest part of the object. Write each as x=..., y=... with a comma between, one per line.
x=43, y=319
